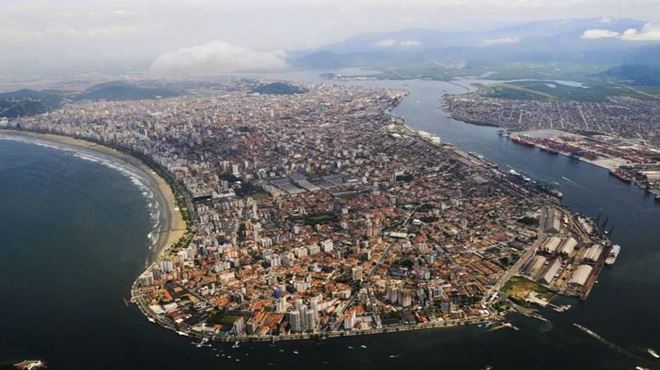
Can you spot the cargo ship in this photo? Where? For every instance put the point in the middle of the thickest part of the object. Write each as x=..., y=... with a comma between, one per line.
x=614, y=253
x=621, y=176
x=524, y=142
x=549, y=150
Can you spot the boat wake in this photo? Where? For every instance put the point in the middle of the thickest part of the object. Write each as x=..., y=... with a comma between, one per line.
x=569, y=180
x=606, y=342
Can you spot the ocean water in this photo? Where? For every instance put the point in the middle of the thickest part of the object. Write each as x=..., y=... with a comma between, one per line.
x=73, y=236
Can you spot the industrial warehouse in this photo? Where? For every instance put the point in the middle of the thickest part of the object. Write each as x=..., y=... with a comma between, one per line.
x=569, y=254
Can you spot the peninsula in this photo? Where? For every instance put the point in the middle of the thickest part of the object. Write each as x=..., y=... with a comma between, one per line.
x=319, y=214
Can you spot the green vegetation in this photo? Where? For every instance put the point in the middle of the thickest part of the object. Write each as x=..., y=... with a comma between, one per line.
x=491, y=71
x=405, y=178
x=279, y=88
x=348, y=196
x=26, y=102
x=121, y=90
x=260, y=195
x=220, y=317
x=320, y=218
x=546, y=90
x=636, y=75
x=430, y=71
x=519, y=288
x=529, y=220
x=247, y=189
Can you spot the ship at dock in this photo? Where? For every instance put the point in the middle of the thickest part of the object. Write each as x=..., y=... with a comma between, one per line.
x=521, y=141
x=621, y=176
x=614, y=253
x=539, y=185
x=549, y=150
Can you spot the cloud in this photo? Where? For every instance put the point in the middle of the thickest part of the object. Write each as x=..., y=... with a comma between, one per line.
x=213, y=58
x=409, y=43
x=599, y=33
x=502, y=40
x=650, y=32
x=389, y=43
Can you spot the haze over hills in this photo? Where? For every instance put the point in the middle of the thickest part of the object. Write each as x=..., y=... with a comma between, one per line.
x=122, y=90
x=637, y=75
x=26, y=102
x=29, y=102
x=594, y=40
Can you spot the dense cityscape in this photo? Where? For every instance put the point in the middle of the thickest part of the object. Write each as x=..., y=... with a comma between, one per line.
x=618, y=116
x=320, y=214
x=620, y=134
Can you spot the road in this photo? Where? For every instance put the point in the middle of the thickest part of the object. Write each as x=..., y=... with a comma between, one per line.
x=521, y=261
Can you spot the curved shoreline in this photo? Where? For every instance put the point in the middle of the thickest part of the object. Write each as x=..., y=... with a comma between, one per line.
x=170, y=237
x=172, y=225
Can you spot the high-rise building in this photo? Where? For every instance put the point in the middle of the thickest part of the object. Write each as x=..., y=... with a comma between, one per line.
x=357, y=273
x=281, y=305
x=293, y=318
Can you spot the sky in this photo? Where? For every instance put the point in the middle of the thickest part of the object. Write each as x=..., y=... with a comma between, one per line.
x=64, y=35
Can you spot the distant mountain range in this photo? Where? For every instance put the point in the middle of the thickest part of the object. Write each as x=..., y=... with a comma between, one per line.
x=594, y=41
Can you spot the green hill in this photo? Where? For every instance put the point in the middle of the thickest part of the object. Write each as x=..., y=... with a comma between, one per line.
x=26, y=102
x=279, y=88
x=635, y=74
x=121, y=90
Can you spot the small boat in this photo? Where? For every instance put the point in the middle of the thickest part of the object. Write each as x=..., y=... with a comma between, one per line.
x=295, y=352
x=363, y=346
x=184, y=334
x=30, y=364
x=151, y=319
x=201, y=343
x=236, y=345
x=653, y=353
x=562, y=308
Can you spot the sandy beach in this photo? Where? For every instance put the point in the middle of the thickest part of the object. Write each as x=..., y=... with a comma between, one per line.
x=172, y=225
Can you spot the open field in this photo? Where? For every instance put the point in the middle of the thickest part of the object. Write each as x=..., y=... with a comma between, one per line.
x=519, y=289
x=548, y=90
x=491, y=71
